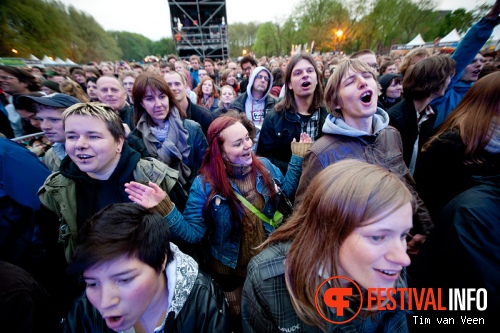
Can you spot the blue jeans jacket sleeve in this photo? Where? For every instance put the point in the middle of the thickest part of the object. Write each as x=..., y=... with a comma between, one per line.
x=191, y=226
x=290, y=182
x=465, y=52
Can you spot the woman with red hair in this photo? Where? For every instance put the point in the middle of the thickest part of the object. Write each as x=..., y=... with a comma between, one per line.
x=207, y=94
x=231, y=185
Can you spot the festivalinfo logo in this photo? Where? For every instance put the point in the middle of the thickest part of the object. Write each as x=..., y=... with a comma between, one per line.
x=342, y=300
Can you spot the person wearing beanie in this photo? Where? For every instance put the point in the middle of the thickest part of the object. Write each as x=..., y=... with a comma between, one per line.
x=50, y=87
x=49, y=111
x=390, y=90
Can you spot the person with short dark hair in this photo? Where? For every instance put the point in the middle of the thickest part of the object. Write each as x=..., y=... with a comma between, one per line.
x=136, y=279
x=247, y=64
x=16, y=81
x=414, y=117
x=49, y=111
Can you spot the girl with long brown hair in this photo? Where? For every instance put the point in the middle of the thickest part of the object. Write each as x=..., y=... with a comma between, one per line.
x=467, y=144
x=352, y=223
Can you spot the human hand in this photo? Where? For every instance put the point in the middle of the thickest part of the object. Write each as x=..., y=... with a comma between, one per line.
x=127, y=130
x=415, y=243
x=300, y=148
x=147, y=196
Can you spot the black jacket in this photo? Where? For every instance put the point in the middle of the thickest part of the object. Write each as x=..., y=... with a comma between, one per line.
x=197, y=306
x=200, y=114
x=403, y=117
x=277, y=133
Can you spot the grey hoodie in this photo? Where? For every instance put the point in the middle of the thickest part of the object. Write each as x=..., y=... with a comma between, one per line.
x=254, y=108
x=334, y=125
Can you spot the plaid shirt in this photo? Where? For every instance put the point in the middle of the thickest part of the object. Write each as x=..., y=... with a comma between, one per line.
x=266, y=304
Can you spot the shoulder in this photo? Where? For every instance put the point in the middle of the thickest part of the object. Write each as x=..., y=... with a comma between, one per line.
x=270, y=262
x=191, y=125
x=154, y=170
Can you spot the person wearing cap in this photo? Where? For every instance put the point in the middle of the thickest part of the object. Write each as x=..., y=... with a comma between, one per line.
x=49, y=111
x=390, y=90
x=50, y=87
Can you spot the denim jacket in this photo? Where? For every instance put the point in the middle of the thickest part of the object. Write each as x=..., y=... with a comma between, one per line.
x=224, y=246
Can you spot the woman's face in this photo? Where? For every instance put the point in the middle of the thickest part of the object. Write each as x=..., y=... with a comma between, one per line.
x=123, y=290
x=156, y=105
x=207, y=88
x=231, y=78
x=374, y=254
x=327, y=73
x=394, y=90
x=226, y=96
x=237, y=147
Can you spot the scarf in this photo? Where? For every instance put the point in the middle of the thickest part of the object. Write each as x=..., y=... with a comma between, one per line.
x=174, y=150
x=208, y=102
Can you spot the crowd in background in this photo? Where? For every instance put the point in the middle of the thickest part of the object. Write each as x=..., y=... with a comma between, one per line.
x=220, y=149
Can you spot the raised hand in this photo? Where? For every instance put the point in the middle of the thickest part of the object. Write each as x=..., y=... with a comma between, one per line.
x=147, y=196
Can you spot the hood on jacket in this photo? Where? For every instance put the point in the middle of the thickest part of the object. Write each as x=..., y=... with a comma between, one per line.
x=385, y=81
x=255, y=72
x=181, y=273
x=337, y=125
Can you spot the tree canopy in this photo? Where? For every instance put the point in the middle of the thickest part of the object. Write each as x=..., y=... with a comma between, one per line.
x=50, y=28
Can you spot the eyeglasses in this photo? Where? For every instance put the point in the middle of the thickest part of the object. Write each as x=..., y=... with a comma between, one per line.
x=249, y=68
x=6, y=77
x=262, y=77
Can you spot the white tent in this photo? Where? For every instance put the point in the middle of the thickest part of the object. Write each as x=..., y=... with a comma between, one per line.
x=59, y=61
x=453, y=36
x=417, y=41
x=47, y=61
x=69, y=62
x=32, y=57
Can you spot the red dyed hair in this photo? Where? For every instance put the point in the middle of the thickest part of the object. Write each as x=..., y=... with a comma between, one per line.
x=214, y=170
x=199, y=90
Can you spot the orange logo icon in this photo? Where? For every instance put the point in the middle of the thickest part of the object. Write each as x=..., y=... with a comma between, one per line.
x=337, y=298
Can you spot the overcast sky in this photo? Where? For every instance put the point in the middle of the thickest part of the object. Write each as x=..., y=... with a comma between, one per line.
x=151, y=18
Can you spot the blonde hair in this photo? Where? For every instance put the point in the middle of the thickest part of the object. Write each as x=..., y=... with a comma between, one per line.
x=70, y=87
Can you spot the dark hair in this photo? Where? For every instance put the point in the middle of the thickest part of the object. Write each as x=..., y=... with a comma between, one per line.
x=23, y=76
x=249, y=59
x=153, y=82
x=278, y=77
x=92, y=79
x=427, y=76
x=384, y=66
x=25, y=104
x=122, y=229
x=288, y=101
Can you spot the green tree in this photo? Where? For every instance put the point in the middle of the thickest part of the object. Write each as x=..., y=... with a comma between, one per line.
x=267, y=41
x=134, y=46
x=164, y=47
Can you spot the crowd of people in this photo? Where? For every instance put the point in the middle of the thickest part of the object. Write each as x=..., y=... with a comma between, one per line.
x=216, y=196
